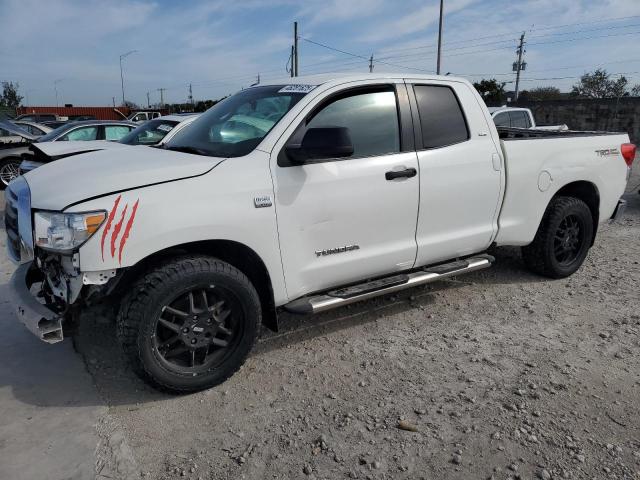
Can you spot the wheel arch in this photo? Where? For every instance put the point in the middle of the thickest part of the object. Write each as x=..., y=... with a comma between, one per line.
x=235, y=253
x=587, y=192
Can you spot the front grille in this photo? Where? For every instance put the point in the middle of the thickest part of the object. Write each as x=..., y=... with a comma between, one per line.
x=11, y=224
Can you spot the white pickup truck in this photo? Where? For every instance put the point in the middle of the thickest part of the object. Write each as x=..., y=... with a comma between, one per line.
x=302, y=197
x=516, y=117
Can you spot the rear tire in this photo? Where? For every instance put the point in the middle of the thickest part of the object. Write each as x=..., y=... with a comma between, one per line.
x=563, y=239
x=9, y=169
x=189, y=324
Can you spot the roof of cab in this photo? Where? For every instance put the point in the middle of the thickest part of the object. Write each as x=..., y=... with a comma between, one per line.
x=338, y=78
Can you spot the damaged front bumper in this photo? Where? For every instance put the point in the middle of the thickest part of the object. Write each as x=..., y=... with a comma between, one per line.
x=44, y=322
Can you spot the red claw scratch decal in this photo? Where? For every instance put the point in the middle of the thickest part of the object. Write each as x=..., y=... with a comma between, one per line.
x=112, y=214
x=127, y=229
x=117, y=228
x=116, y=231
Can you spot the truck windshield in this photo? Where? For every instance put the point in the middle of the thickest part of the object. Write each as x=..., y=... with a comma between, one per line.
x=237, y=124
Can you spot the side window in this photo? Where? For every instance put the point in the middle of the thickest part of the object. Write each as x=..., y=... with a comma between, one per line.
x=371, y=119
x=115, y=132
x=519, y=119
x=441, y=116
x=81, y=134
x=502, y=120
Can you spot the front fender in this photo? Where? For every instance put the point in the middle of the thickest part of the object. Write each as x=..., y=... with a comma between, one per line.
x=215, y=206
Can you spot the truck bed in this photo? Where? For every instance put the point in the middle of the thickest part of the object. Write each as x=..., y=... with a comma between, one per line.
x=536, y=170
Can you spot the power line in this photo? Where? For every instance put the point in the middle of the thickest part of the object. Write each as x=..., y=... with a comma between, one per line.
x=362, y=57
x=514, y=33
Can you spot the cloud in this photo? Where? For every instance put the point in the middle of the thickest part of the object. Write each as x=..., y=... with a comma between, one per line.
x=416, y=21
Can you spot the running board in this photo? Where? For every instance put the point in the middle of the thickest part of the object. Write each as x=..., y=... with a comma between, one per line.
x=394, y=283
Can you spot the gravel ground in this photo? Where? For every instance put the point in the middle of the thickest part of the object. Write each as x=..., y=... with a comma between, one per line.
x=499, y=374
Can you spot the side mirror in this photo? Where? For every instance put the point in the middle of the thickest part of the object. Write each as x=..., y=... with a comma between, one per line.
x=321, y=143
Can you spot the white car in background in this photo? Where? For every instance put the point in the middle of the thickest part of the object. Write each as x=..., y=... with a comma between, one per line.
x=35, y=129
x=152, y=133
x=513, y=117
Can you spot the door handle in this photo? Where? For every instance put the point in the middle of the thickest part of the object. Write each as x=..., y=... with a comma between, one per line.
x=406, y=173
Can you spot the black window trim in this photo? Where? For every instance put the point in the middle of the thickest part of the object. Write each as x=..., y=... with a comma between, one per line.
x=403, y=111
x=416, y=116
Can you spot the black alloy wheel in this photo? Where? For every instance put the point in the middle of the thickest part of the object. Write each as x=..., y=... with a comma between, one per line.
x=568, y=240
x=198, y=329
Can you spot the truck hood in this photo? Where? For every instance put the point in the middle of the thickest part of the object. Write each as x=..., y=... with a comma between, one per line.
x=70, y=180
x=47, y=151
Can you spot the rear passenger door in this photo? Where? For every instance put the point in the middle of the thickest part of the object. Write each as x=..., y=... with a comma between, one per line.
x=461, y=175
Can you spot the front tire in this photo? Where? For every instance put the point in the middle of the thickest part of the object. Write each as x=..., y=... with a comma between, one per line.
x=9, y=169
x=189, y=323
x=563, y=239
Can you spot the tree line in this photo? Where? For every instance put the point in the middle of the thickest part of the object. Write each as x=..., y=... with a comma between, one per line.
x=596, y=84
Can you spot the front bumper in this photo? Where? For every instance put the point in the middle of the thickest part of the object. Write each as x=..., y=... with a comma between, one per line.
x=43, y=322
x=619, y=211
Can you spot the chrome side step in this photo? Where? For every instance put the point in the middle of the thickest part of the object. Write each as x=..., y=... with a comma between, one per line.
x=394, y=283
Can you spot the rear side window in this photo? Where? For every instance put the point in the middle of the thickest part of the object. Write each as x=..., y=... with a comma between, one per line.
x=441, y=116
x=81, y=134
x=115, y=132
x=519, y=119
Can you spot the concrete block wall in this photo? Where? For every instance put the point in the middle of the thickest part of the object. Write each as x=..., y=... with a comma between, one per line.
x=608, y=114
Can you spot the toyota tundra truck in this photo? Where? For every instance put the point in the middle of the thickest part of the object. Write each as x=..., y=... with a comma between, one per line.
x=297, y=197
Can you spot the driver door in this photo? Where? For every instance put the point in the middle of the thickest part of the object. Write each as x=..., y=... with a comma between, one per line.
x=344, y=219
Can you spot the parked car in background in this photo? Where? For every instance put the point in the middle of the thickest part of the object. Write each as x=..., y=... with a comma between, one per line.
x=54, y=123
x=8, y=136
x=159, y=130
x=514, y=117
x=80, y=118
x=152, y=133
x=69, y=132
x=11, y=151
x=90, y=130
x=40, y=117
x=139, y=117
x=33, y=128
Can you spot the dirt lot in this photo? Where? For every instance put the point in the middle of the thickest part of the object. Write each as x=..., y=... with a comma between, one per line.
x=502, y=374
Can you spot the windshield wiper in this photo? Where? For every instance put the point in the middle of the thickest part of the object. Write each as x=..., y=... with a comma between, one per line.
x=187, y=149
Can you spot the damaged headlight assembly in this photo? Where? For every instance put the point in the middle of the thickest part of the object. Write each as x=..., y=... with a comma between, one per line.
x=65, y=232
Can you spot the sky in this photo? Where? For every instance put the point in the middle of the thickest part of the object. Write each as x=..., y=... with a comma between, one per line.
x=219, y=47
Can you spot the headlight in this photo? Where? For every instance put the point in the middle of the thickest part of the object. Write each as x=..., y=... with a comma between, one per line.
x=65, y=232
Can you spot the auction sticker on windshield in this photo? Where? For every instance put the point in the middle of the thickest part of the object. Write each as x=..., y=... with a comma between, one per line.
x=165, y=127
x=299, y=88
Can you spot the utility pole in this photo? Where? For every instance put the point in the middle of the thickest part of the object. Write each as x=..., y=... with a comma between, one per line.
x=55, y=87
x=371, y=64
x=148, y=101
x=440, y=36
x=294, y=65
x=291, y=58
x=519, y=65
x=190, y=95
x=124, y=55
x=161, y=90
